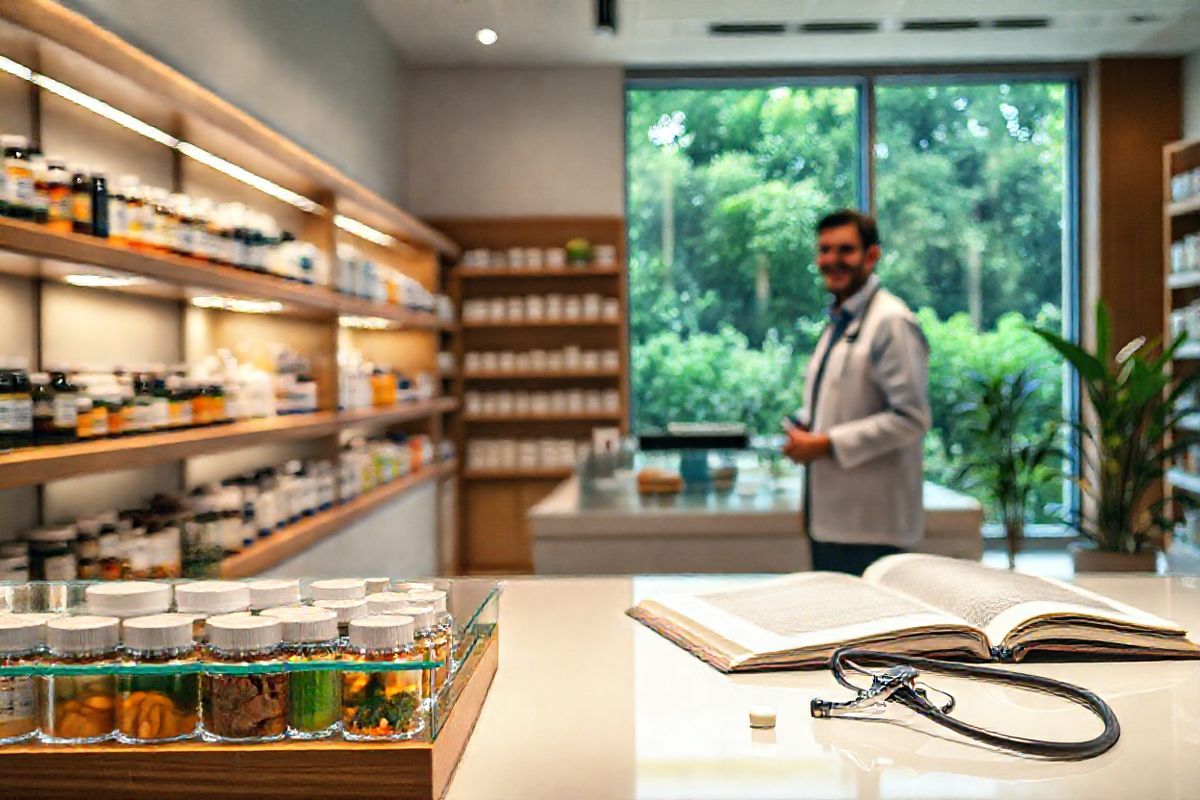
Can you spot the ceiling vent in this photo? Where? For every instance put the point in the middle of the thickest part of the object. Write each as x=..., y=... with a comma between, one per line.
x=1021, y=23
x=837, y=26
x=746, y=28
x=941, y=25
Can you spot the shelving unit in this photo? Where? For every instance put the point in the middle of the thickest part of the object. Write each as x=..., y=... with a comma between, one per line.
x=186, y=139
x=297, y=538
x=1181, y=219
x=494, y=535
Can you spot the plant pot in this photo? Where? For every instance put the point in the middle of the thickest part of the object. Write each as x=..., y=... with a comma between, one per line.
x=1089, y=559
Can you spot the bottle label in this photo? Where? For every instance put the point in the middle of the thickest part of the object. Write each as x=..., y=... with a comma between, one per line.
x=21, y=189
x=66, y=411
x=81, y=207
x=22, y=414
x=118, y=218
x=17, y=699
x=6, y=412
x=60, y=205
x=59, y=568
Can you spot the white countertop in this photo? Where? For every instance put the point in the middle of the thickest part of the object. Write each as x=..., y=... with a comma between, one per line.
x=589, y=704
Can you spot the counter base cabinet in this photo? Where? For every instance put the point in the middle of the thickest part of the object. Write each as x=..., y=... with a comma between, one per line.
x=291, y=769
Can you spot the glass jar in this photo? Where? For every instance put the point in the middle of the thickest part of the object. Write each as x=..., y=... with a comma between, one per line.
x=128, y=599
x=443, y=635
x=79, y=709
x=20, y=640
x=425, y=641
x=314, y=697
x=386, y=603
x=161, y=707
x=87, y=549
x=382, y=705
x=52, y=554
x=14, y=561
x=347, y=611
x=203, y=599
x=250, y=707
x=376, y=585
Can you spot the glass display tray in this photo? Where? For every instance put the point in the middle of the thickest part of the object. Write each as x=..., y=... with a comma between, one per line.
x=473, y=604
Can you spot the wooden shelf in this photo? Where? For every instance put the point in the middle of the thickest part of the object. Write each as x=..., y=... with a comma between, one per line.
x=1182, y=207
x=540, y=376
x=601, y=416
x=548, y=473
x=294, y=539
x=560, y=323
x=34, y=465
x=472, y=273
x=193, y=273
x=1183, y=280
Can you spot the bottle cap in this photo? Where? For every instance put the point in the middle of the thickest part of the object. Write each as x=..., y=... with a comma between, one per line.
x=129, y=598
x=385, y=632
x=13, y=140
x=386, y=602
x=410, y=586
x=435, y=598
x=20, y=633
x=423, y=616
x=62, y=533
x=339, y=589
x=268, y=593
x=84, y=634
x=158, y=632
x=375, y=585
x=243, y=632
x=346, y=610
x=212, y=597
x=306, y=624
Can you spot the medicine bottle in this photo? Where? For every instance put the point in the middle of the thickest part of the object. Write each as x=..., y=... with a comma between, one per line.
x=165, y=706
x=314, y=696
x=203, y=599
x=19, y=183
x=20, y=640
x=243, y=707
x=58, y=195
x=81, y=200
x=78, y=709
x=382, y=704
x=99, y=200
x=443, y=634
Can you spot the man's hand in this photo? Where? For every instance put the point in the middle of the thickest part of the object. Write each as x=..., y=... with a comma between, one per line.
x=803, y=446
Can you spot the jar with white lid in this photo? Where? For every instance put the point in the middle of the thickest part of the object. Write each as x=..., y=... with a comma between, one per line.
x=14, y=561
x=424, y=639
x=80, y=709
x=443, y=638
x=203, y=599
x=347, y=611
x=163, y=707
x=314, y=696
x=126, y=599
x=338, y=589
x=272, y=593
x=249, y=707
x=52, y=553
x=382, y=704
x=20, y=642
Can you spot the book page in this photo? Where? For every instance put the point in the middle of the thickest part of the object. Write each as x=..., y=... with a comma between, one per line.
x=1002, y=602
x=800, y=619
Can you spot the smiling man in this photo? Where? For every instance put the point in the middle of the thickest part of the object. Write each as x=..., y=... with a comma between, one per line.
x=866, y=409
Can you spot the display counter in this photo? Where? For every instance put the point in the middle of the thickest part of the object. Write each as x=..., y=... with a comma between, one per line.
x=590, y=704
x=604, y=526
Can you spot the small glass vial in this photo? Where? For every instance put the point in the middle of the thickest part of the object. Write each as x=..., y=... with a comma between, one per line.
x=443, y=635
x=347, y=611
x=80, y=709
x=20, y=641
x=266, y=594
x=247, y=707
x=425, y=640
x=339, y=589
x=382, y=705
x=314, y=697
x=161, y=707
x=203, y=599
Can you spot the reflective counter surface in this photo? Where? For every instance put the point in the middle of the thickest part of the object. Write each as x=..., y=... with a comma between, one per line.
x=590, y=704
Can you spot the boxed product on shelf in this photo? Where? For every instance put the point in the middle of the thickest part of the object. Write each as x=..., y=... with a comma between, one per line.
x=570, y=358
x=554, y=307
x=541, y=403
x=525, y=454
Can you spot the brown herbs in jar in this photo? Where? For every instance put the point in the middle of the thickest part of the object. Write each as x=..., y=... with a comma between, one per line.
x=245, y=706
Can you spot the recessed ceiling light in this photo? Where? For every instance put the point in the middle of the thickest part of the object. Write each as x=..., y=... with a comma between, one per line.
x=486, y=36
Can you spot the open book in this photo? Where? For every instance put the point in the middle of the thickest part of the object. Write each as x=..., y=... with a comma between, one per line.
x=909, y=603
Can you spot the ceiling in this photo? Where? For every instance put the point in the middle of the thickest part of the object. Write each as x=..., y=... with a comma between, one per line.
x=680, y=32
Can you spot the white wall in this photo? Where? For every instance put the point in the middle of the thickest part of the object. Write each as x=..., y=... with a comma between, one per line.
x=320, y=72
x=511, y=142
x=1191, y=96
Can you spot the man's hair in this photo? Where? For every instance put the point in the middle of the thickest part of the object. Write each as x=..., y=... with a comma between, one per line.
x=868, y=231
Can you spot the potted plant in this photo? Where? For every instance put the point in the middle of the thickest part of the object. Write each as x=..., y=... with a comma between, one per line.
x=1006, y=456
x=1134, y=401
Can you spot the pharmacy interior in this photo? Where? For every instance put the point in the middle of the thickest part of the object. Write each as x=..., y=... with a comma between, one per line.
x=337, y=340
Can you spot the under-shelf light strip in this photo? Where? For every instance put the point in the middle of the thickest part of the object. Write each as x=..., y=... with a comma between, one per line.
x=190, y=150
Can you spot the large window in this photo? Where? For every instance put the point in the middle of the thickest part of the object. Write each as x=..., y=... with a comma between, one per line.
x=971, y=189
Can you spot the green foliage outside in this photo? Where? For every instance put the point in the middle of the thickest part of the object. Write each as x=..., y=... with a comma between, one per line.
x=725, y=186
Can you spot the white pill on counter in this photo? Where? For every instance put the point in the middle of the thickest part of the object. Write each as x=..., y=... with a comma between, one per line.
x=762, y=717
